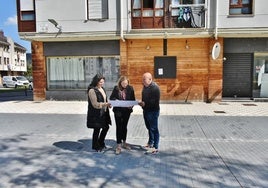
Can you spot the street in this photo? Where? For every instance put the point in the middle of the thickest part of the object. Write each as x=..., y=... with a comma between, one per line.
x=46, y=144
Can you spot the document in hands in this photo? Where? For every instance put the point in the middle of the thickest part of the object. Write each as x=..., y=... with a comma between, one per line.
x=122, y=103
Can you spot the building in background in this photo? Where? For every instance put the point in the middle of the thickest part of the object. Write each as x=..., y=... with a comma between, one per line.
x=12, y=57
x=195, y=49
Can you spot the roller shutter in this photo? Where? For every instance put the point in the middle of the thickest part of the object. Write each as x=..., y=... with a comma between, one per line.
x=237, y=75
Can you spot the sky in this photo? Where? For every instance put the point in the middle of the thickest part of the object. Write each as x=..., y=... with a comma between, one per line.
x=8, y=22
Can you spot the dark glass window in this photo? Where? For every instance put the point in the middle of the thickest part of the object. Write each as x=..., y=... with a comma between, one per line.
x=148, y=4
x=240, y=7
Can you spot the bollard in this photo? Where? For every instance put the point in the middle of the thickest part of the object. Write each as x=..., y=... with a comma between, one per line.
x=25, y=90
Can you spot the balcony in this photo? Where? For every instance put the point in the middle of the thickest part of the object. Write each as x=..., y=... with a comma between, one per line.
x=175, y=15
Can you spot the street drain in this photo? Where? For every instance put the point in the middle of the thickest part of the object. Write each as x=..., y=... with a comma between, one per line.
x=249, y=104
x=223, y=103
x=219, y=112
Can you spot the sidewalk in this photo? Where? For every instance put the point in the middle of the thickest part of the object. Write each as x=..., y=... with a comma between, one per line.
x=46, y=144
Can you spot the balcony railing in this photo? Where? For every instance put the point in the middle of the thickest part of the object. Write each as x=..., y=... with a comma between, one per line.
x=179, y=16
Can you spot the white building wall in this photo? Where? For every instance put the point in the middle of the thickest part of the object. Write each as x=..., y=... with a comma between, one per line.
x=71, y=16
x=258, y=19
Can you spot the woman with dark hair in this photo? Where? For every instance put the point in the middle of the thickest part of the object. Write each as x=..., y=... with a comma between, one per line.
x=98, y=116
x=122, y=91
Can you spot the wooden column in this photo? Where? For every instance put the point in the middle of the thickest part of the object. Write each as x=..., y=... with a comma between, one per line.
x=39, y=71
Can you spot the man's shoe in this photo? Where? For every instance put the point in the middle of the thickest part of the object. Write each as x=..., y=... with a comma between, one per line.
x=152, y=151
x=146, y=147
x=118, y=149
x=126, y=146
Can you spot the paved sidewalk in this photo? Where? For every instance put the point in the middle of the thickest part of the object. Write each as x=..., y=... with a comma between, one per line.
x=46, y=144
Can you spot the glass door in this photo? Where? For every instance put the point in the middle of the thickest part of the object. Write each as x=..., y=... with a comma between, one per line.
x=260, y=72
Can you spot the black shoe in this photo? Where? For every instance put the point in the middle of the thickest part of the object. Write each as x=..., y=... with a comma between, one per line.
x=97, y=149
x=102, y=146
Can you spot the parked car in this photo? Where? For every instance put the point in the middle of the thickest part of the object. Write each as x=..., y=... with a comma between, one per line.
x=15, y=81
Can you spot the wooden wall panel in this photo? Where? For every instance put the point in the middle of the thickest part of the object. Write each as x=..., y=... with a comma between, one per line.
x=39, y=71
x=199, y=77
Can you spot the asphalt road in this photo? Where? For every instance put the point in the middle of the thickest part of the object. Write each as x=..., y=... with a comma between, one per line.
x=20, y=95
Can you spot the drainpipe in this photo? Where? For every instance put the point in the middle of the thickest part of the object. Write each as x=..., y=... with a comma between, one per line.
x=216, y=22
x=121, y=21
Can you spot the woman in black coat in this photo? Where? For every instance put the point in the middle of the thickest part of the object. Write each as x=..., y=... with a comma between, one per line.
x=122, y=91
x=98, y=116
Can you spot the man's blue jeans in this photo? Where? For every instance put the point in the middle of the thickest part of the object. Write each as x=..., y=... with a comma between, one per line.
x=151, y=123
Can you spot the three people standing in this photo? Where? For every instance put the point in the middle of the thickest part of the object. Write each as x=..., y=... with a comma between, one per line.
x=122, y=91
x=99, y=119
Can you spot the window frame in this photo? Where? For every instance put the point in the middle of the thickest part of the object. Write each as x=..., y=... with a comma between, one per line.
x=27, y=16
x=83, y=69
x=138, y=12
x=241, y=4
x=104, y=11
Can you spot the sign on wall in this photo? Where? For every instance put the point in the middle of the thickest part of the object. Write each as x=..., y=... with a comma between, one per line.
x=165, y=67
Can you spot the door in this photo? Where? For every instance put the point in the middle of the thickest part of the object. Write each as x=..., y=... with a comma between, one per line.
x=237, y=75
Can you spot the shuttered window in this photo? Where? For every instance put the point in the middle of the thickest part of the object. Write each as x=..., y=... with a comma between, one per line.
x=97, y=9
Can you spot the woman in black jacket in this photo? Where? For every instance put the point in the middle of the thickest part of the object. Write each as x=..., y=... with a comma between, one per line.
x=98, y=116
x=122, y=91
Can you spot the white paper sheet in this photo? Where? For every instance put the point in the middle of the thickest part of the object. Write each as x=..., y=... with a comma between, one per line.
x=122, y=103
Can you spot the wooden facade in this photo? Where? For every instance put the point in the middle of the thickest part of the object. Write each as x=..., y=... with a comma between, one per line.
x=199, y=77
x=39, y=71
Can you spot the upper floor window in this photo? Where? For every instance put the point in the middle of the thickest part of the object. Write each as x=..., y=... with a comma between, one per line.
x=97, y=9
x=27, y=15
x=27, y=10
x=148, y=8
x=240, y=7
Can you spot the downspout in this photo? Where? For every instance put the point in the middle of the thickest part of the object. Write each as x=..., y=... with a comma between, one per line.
x=216, y=22
x=121, y=21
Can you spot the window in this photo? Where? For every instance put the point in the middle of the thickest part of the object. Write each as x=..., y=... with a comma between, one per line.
x=240, y=7
x=77, y=72
x=148, y=8
x=97, y=9
x=27, y=16
x=27, y=10
x=136, y=8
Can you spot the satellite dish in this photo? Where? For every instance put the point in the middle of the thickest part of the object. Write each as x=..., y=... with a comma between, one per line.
x=216, y=50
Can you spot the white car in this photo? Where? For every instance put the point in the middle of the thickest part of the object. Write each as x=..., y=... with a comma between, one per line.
x=15, y=81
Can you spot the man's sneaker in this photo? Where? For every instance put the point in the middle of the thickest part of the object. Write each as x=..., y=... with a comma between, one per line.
x=126, y=146
x=151, y=151
x=118, y=149
x=146, y=147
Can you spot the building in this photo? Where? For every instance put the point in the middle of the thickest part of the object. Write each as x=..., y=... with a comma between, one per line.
x=244, y=29
x=186, y=44
x=12, y=57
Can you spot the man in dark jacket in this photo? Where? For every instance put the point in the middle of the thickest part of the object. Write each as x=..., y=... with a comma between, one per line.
x=151, y=109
